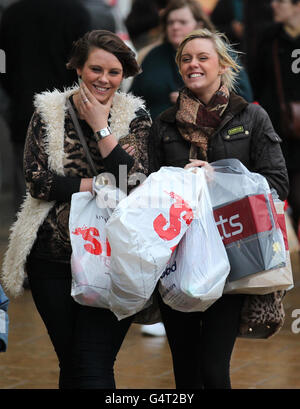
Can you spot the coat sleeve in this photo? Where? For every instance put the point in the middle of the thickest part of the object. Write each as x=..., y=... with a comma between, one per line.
x=266, y=154
x=138, y=137
x=41, y=181
x=139, y=130
x=155, y=149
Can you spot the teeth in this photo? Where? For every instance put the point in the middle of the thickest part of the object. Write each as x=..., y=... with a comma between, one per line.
x=195, y=75
x=100, y=89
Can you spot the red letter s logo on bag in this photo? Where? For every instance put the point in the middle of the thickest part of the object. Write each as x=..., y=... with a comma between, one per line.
x=177, y=208
x=94, y=248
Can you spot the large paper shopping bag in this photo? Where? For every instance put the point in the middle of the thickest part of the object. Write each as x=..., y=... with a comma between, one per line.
x=268, y=281
x=251, y=234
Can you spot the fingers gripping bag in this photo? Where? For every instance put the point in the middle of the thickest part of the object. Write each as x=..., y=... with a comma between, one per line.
x=90, y=259
x=196, y=274
x=245, y=215
x=144, y=230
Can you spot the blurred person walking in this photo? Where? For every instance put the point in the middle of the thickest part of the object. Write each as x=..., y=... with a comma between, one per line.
x=228, y=17
x=37, y=37
x=143, y=22
x=257, y=18
x=100, y=14
x=276, y=82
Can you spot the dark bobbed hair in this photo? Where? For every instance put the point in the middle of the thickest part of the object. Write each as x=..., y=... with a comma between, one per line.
x=196, y=9
x=107, y=41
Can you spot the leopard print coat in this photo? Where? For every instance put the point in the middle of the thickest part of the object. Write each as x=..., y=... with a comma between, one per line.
x=53, y=242
x=54, y=156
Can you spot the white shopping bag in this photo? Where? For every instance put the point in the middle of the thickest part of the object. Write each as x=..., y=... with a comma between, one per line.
x=144, y=230
x=90, y=259
x=195, y=276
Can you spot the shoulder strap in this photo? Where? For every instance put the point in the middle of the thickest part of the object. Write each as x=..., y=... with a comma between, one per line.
x=81, y=136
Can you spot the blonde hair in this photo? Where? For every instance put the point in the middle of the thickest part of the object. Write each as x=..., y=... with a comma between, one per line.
x=227, y=54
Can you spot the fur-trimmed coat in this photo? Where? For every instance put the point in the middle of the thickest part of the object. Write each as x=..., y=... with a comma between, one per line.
x=54, y=163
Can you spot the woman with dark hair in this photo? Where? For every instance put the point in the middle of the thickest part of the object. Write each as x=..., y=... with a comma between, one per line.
x=86, y=339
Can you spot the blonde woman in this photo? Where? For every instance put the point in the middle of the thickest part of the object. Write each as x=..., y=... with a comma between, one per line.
x=210, y=122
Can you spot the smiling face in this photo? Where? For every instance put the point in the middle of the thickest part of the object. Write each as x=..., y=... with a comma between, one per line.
x=180, y=23
x=200, y=68
x=102, y=73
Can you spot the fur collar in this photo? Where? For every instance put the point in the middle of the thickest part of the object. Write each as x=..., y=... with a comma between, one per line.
x=52, y=108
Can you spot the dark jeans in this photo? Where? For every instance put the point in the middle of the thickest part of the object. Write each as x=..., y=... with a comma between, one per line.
x=86, y=339
x=202, y=342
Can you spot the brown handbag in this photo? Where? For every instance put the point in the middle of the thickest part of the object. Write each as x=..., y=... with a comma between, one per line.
x=289, y=111
x=262, y=315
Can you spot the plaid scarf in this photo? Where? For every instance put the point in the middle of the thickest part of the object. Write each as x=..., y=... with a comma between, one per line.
x=196, y=122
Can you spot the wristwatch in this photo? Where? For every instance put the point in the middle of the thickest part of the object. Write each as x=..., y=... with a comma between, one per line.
x=103, y=133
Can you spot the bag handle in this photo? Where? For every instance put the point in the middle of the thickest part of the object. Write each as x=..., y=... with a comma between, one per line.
x=231, y=165
x=81, y=136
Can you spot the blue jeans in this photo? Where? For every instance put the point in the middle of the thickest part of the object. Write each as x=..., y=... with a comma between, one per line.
x=86, y=339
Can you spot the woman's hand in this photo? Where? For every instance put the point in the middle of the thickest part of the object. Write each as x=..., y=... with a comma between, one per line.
x=202, y=163
x=196, y=162
x=91, y=110
x=129, y=149
x=96, y=115
x=174, y=96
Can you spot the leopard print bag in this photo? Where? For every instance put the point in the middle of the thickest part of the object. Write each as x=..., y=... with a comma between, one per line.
x=262, y=315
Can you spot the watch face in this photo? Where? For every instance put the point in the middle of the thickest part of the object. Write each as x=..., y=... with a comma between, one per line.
x=104, y=132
